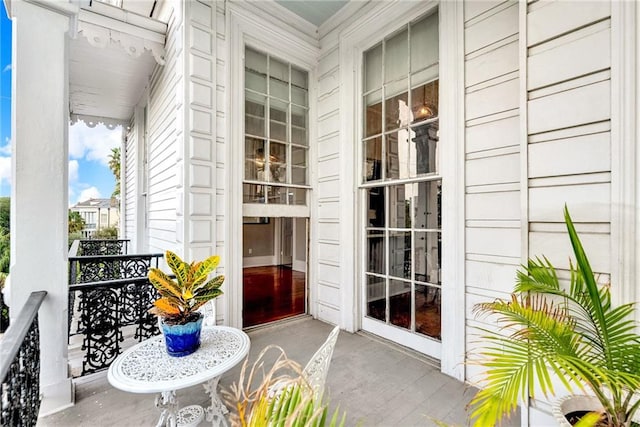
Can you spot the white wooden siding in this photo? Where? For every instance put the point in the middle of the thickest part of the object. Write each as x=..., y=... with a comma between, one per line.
x=569, y=142
x=326, y=223
x=163, y=174
x=130, y=196
x=492, y=153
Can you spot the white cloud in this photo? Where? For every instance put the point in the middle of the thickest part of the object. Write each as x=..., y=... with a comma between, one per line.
x=93, y=144
x=7, y=68
x=73, y=171
x=5, y=170
x=89, y=193
x=5, y=149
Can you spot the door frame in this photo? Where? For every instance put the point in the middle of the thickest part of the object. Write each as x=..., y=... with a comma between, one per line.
x=357, y=38
x=248, y=25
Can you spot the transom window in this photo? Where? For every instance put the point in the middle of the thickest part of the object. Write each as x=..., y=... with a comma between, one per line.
x=276, y=131
x=401, y=182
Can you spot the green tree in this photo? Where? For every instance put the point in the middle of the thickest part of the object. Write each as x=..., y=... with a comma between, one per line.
x=114, y=165
x=5, y=213
x=106, y=233
x=76, y=222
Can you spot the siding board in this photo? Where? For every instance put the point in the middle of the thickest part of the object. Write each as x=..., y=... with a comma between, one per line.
x=571, y=58
x=570, y=108
x=547, y=20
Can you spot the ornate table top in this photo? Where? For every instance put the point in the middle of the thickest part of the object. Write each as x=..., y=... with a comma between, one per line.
x=148, y=368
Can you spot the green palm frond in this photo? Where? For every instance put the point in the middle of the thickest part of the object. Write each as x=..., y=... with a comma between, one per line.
x=549, y=333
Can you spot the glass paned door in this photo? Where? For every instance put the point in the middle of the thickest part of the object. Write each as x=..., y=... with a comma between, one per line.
x=401, y=187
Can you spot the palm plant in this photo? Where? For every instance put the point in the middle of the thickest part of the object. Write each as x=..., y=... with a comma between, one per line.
x=575, y=336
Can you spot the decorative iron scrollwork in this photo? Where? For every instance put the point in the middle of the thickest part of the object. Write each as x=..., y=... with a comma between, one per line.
x=105, y=311
x=101, y=322
x=103, y=247
x=20, y=389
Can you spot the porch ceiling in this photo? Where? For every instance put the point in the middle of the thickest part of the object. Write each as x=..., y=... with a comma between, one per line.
x=110, y=62
x=314, y=11
x=106, y=82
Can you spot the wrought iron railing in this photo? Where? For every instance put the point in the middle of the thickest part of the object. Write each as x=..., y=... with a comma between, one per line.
x=109, y=296
x=20, y=366
x=104, y=247
x=107, y=313
x=96, y=268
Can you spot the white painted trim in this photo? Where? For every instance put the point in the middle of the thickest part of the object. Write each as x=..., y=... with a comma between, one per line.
x=274, y=34
x=355, y=39
x=524, y=160
x=123, y=26
x=299, y=266
x=233, y=203
x=340, y=18
x=275, y=11
x=62, y=7
x=624, y=152
x=268, y=34
x=452, y=132
x=259, y=261
x=416, y=342
x=275, y=211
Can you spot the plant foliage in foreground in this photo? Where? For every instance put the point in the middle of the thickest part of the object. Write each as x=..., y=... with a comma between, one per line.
x=280, y=398
x=575, y=336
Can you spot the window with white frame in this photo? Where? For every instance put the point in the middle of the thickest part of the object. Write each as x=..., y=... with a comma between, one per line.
x=401, y=180
x=276, y=131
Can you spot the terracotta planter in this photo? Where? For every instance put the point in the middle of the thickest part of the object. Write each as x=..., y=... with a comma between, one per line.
x=182, y=340
x=574, y=403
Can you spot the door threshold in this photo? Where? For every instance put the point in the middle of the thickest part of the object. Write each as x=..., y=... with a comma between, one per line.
x=286, y=320
x=399, y=347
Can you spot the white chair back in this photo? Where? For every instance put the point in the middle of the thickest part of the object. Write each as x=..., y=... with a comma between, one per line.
x=209, y=312
x=318, y=367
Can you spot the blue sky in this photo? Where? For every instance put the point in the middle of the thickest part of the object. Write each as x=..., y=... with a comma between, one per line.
x=89, y=174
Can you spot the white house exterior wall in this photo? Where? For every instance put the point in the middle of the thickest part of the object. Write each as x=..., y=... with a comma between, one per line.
x=328, y=227
x=201, y=188
x=130, y=190
x=492, y=157
x=537, y=134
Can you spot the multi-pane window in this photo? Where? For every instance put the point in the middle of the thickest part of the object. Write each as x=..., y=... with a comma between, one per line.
x=401, y=181
x=276, y=131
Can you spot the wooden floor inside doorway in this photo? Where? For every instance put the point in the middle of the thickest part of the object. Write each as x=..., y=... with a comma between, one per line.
x=272, y=293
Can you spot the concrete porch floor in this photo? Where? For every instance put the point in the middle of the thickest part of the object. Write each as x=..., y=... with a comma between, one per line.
x=376, y=383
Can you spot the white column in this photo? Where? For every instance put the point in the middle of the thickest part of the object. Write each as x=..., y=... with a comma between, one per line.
x=39, y=194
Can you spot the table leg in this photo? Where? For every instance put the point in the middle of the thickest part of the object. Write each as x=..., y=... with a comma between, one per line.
x=217, y=410
x=168, y=404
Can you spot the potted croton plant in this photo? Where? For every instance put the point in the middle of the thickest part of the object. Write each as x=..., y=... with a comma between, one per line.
x=571, y=332
x=180, y=299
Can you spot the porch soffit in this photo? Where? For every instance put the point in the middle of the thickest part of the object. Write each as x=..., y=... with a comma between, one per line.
x=110, y=62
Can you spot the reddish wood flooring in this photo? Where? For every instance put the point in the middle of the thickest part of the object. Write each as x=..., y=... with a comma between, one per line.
x=272, y=293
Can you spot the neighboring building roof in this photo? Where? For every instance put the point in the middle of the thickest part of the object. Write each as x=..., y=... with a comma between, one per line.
x=97, y=203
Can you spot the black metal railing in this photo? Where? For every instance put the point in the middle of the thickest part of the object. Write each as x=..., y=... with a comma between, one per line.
x=20, y=366
x=107, y=313
x=109, y=296
x=103, y=247
x=96, y=268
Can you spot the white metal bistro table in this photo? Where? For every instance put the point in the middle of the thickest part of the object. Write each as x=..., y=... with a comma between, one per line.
x=148, y=368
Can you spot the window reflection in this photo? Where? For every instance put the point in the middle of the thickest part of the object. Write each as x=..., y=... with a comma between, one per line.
x=400, y=154
x=400, y=303
x=376, y=297
x=376, y=252
x=428, y=309
x=375, y=213
x=276, y=130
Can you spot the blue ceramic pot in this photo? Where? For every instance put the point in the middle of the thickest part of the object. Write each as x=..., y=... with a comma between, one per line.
x=182, y=340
